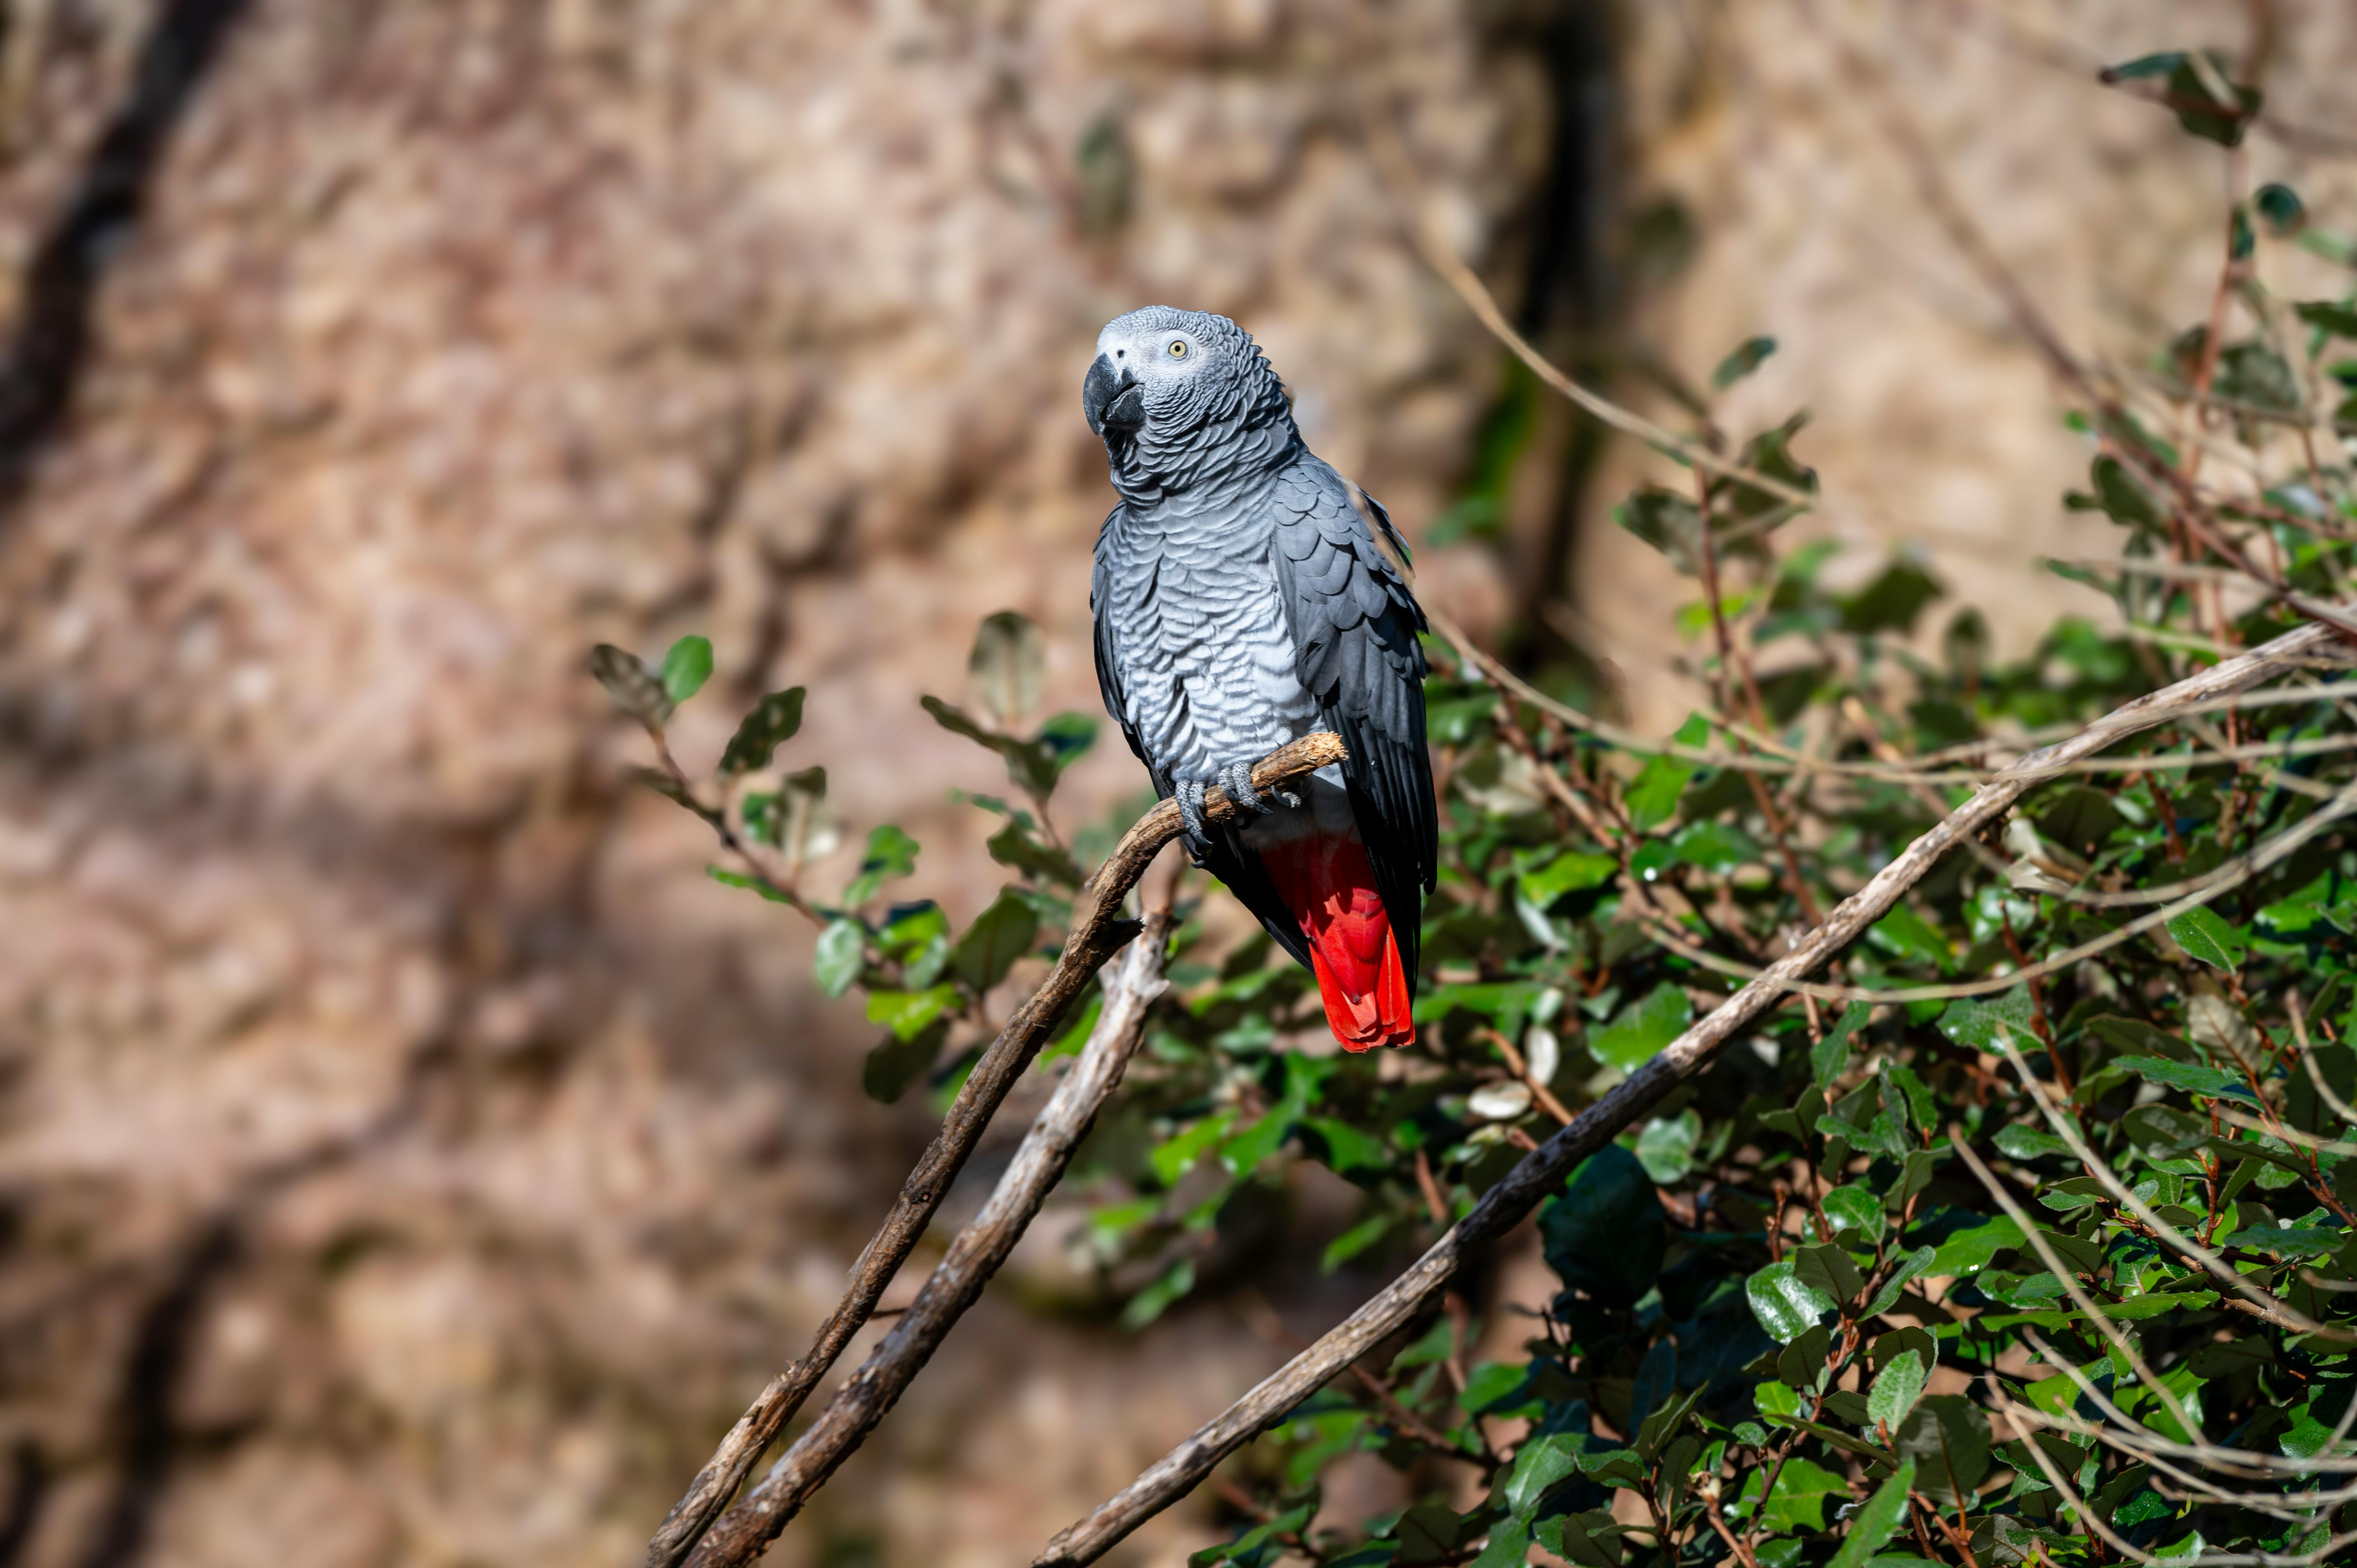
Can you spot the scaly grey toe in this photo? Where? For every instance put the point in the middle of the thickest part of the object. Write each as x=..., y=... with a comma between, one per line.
x=1236, y=779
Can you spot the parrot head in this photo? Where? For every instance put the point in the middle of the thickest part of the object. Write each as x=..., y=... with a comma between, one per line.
x=1167, y=375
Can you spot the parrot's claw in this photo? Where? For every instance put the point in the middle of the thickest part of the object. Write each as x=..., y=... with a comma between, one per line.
x=1236, y=779
x=1189, y=793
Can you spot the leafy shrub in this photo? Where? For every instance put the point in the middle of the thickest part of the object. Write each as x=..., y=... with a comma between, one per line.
x=2032, y=1240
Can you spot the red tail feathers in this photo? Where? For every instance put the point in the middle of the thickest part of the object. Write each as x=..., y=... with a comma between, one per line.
x=1330, y=885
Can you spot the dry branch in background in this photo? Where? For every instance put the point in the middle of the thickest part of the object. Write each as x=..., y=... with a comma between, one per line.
x=1544, y=1170
x=1132, y=982
x=1097, y=930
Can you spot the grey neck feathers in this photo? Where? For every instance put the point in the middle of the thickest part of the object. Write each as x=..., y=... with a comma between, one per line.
x=1241, y=433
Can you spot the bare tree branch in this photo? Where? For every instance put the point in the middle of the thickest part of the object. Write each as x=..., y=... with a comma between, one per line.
x=1133, y=981
x=1097, y=930
x=1541, y=1172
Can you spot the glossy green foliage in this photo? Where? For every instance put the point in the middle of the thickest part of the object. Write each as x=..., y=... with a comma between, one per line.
x=1786, y=1320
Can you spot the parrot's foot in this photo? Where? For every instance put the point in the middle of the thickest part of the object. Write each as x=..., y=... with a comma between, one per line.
x=1189, y=793
x=1236, y=779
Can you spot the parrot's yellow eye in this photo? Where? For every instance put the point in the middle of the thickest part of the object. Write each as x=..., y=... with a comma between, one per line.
x=1178, y=348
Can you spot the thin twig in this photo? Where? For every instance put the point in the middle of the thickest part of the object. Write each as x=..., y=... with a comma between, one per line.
x=1542, y=1173
x=1132, y=983
x=2225, y=879
x=1097, y=929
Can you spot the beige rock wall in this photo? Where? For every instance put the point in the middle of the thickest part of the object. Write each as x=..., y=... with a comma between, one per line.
x=410, y=1157
x=1936, y=426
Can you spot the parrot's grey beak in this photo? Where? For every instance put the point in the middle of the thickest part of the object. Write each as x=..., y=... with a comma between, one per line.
x=1112, y=398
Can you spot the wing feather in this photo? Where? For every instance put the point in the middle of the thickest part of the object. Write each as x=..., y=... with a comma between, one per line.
x=1354, y=626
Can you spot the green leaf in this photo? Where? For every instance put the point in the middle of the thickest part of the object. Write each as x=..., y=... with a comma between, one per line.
x=1829, y=1271
x=1491, y=1384
x=1717, y=847
x=1891, y=602
x=630, y=683
x=908, y=1013
x=1572, y=871
x=1802, y=1487
x=1346, y=1148
x=1896, y=1388
x=842, y=948
x=1878, y=1522
x=1665, y=520
x=1032, y=764
x=1507, y=1004
x=2187, y=91
x=2331, y=315
x=891, y=853
x=1154, y=1299
x=1642, y=1030
x=773, y=723
x=1829, y=1056
x=1353, y=1241
x=1260, y=1545
x=686, y=668
x=2191, y=1077
x=1652, y=796
x=728, y=878
x=1914, y=1264
x=2280, y=207
x=1018, y=850
x=1509, y=1545
x=1541, y=1463
x=1607, y=1233
x=1904, y=932
x=988, y=948
x=1176, y=1156
x=2024, y=1142
x=1785, y=1306
x=1242, y=1153
x=1855, y=1208
x=1978, y=1022
x=1948, y=1438
x=2204, y=936
x=899, y=1061
x=1745, y=359
x=1665, y=1146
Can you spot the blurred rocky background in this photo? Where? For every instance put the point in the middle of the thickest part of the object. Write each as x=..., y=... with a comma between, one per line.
x=409, y=1156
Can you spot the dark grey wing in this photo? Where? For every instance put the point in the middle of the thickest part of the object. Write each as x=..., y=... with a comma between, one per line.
x=1109, y=686
x=1354, y=628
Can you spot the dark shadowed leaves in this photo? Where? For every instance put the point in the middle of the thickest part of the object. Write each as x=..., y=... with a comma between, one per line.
x=1948, y=1438
x=1879, y=1520
x=1607, y=1233
x=1012, y=846
x=773, y=723
x=630, y=683
x=900, y=1061
x=2206, y=99
x=2336, y=317
x=1891, y=602
x=1000, y=935
x=1746, y=358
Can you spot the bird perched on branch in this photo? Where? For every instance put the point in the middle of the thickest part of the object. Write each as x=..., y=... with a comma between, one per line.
x=1241, y=602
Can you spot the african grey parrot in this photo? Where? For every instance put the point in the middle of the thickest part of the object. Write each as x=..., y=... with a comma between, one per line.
x=1241, y=602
